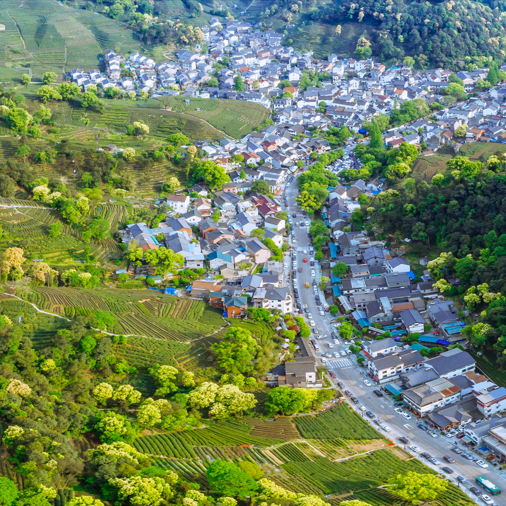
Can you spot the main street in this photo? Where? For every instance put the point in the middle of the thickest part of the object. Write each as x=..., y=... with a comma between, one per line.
x=352, y=375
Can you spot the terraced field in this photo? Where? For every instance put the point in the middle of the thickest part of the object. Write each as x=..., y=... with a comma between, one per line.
x=235, y=118
x=142, y=313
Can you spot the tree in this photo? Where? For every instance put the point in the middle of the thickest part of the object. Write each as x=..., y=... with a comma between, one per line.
x=236, y=351
x=47, y=93
x=18, y=119
x=89, y=99
x=375, y=141
x=129, y=154
x=8, y=491
x=26, y=79
x=333, y=309
x=149, y=415
x=239, y=83
x=416, y=487
x=171, y=185
x=48, y=77
x=127, y=393
x=216, y=216
x=7, y=186
x=210, y=172
x=177, y=140
x=308, y=202
x=408, y=61
x=12, y=258
x=141, y=490
x=103, y=392
x=261, y=186
x=242, y=175
x=340, y=269
x=461, y=131
x=165, y=376
x=338, y=30
x=68, y=90
x=99, y=228
x=254, y=470
x=85, y=500
x=228, y=479
x=289, y=401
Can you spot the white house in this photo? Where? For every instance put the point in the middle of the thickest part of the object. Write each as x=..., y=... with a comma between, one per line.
x=490, y=401
x=413, y=321
x=397, y=265
x=278, y=298
x=429, y=396
x=178, y=203
x=452, y=363
x=383, y=347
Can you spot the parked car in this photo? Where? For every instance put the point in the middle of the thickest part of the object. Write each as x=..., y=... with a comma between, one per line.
x=340, y=384
x=406, y=415
x=467, y=456
x=376, y=392
x=476, y=491
x=370, y=414
x=482, y=464
x=423, y=427
x=448, y=470
x=460, y=435
x=413, y=448
x=458, y=451
x=448, y=459
x=355, y=400
x=461, y=479
x=343, y=353
x=332, y=374
x=434, y=461
x=386, y=428
x=367, y=383
x=347, y=392
x=486, y=499
x=300, y=269
x=426, y=455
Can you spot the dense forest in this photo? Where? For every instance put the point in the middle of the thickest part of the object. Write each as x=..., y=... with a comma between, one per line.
x=460, y=215
x=439, y=33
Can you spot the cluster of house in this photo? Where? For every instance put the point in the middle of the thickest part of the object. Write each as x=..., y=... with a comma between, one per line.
x=446, y=389
x=352, y=91
x=379, y=290
x=225, y=247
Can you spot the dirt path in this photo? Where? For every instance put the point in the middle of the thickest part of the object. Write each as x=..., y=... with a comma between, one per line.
x=17, y=27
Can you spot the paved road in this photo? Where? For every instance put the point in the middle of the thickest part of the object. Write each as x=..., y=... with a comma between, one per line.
x=352, y=375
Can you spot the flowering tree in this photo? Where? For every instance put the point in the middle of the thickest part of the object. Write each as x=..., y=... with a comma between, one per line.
x=19, y=388
x=142, y=491
x=102, y=392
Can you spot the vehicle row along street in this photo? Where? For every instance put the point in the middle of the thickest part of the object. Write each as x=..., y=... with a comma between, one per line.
x=401, y=427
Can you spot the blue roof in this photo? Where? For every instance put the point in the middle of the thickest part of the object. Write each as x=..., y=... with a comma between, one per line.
x=393, y=390
x=418, y=347
x=364, y=322
x=333, y=251
x=335, y=279
x=411, y=275
x=337, y=291
x=498, y=392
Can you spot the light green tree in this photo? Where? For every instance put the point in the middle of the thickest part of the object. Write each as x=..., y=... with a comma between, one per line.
x=416, y=487
x=103, y=392
x=142, y=491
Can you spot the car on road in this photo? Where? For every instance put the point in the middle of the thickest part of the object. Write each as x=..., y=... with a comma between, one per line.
x=461, y=479
x=397, y=410
x=448, y=470
x=486, y=499
x=312, y=263
x=332, y=374
x=384, y=427
x=322, y=313
x=294, y=215
x=482, y=464
x=318, y=302
x=426, y=455
x=406, y=416
x=355, y=400
x=301, y=223
x=404, y=439
x=476, y=491
x=422, y=426
x=336, y=354
x=458, y=451
x=340, y=384
x=328, y=355
x=347, y=392
x=467, y=456
x=306, y=309
x=448, y=459
x=312, y=323
x=413, y=448
x=304, y=260
x=343, y=353
x=460, y=435
x=377, y=393
x=367, y=383
x=370, y=414
x=432, y=433
x=434, y=461
x=300, y=269
x=309, y=315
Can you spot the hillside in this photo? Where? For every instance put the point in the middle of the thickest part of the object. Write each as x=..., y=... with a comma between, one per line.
x=439, y=33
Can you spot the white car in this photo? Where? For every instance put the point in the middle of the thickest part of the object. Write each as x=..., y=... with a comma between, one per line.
x=406, y=416
x=398, y=411
x=322, y=313
x=309, y=315
x=486, y=499
x=336, y=354
x=367, y=383
x=343, y=353
x=386, y=428
x=312, y=323
x=413, y=448
x=482, y=464
x=349, y=352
